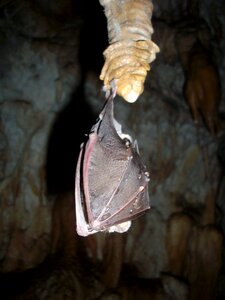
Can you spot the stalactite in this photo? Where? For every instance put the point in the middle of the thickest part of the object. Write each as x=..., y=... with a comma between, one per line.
x=204, y=261
x=131, y=50
x=179, y=231
x=202, y=89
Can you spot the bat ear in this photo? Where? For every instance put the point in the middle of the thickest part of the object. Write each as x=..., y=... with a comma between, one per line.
x=111, y=185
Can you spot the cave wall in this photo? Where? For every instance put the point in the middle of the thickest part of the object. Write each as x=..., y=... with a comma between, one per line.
x=49, y=66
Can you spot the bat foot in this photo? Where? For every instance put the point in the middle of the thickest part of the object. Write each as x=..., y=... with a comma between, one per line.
x=112, y=90
x=113, y=85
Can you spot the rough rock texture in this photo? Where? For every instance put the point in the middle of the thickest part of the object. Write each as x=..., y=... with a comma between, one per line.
x=38, y=72
x=173, y=252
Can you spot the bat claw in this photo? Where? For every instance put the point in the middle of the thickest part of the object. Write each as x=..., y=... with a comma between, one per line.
x=112, y=90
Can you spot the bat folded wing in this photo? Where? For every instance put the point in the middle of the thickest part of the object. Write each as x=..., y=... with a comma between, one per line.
x=111, y=187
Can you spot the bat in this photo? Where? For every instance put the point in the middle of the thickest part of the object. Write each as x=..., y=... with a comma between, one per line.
x=111, y=184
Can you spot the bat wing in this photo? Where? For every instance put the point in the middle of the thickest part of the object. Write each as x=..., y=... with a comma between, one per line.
x=111, y=185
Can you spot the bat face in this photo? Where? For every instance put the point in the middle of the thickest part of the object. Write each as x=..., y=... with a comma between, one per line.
x=111, y=185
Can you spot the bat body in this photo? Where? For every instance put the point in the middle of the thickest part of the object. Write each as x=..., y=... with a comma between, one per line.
x=111, y=185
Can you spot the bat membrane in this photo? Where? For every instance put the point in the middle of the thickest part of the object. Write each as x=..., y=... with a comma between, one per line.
x=111, y=185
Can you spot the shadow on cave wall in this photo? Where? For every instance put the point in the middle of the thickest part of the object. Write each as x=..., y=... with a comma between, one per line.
x=67, y=134
x=76, y=119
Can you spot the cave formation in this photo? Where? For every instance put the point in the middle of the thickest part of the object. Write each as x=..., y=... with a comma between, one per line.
x=51, y=57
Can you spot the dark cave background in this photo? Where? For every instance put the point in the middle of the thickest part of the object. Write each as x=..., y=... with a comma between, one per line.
x=50, y=96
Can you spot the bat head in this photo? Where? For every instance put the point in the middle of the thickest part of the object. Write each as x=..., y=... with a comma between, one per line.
x=111, y=186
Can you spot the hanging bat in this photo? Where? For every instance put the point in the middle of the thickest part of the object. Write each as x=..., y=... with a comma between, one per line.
x=111, y=186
